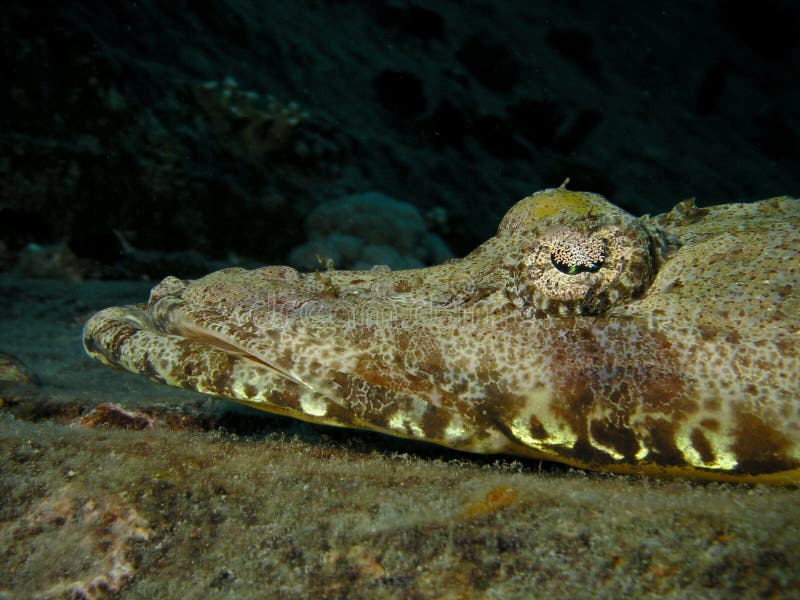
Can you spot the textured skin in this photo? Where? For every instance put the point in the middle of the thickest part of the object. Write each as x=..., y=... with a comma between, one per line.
x=578, y=334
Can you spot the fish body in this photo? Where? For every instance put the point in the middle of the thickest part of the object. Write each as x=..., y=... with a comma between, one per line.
x=665, y=345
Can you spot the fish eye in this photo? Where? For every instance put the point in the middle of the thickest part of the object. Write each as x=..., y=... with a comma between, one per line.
x=583, y=268
x=573, y=253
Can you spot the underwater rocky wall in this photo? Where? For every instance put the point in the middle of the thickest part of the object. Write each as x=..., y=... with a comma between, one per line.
x=208, y=132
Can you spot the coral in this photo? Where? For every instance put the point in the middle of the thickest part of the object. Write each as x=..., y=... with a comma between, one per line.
x=83, y=543
x=363, y=230
x=249, y=125
x=57, y=261
x=113, y=415
x=12, y=370
x=497, y=498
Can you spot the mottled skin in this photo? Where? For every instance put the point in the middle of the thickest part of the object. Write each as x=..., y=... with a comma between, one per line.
x=578, y=334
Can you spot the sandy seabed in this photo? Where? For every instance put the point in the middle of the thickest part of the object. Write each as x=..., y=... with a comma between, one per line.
x=112, y=485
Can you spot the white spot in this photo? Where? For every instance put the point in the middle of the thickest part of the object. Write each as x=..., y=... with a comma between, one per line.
x=404, y=423
x=313, y=405
x=455, y=430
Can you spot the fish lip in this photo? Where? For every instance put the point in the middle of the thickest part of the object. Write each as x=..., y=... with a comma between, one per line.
x=174, y=316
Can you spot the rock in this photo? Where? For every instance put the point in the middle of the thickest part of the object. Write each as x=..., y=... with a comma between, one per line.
x=362, y=230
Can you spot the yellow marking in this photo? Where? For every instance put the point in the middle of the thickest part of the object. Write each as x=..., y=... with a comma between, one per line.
x=561, y=203
x=557, y=433
x=455, y=429
x=313, y=405
x=607, y=449
x=238, y=387
x=404, y=422
x=723, y=460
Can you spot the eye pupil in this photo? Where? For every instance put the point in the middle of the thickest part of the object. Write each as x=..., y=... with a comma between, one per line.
x=573, y=268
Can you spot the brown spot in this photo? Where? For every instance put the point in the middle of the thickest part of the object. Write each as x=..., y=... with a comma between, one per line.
x=661, y=441
x=249, y=390
x=667, y=394
x=288, y=398
x=659, y=571
x=119, y=417
x=572, y=405
x=434, y=422
x=712, y=404
x=361, y=333
x=733, y=337
x=710, y=424
x=585, y=453
x=536, y=429
x=619, y=369
x=351, y=386
x=785, y=344
x=701, y=444
x=677, y=284
x=335, y=413
x=186, y=365
x=113, y=351
x=496, y=405
x=706, y=332
x=221, y=379
x=497, y=498
x=419, y=351
x=459, y=387
x=760, y=448
x=620, y=438
x=145, y=367
x=402, y=287
x=777, y=315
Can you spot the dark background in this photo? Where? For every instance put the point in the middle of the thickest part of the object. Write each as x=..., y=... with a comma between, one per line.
x=192, y=134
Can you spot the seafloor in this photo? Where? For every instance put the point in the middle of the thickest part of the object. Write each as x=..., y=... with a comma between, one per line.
x=113, y=485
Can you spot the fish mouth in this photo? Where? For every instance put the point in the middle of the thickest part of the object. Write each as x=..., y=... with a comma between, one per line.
x=168, y=328
x=171, y=316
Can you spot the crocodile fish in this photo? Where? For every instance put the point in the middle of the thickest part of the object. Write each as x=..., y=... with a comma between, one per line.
x=580, y=334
